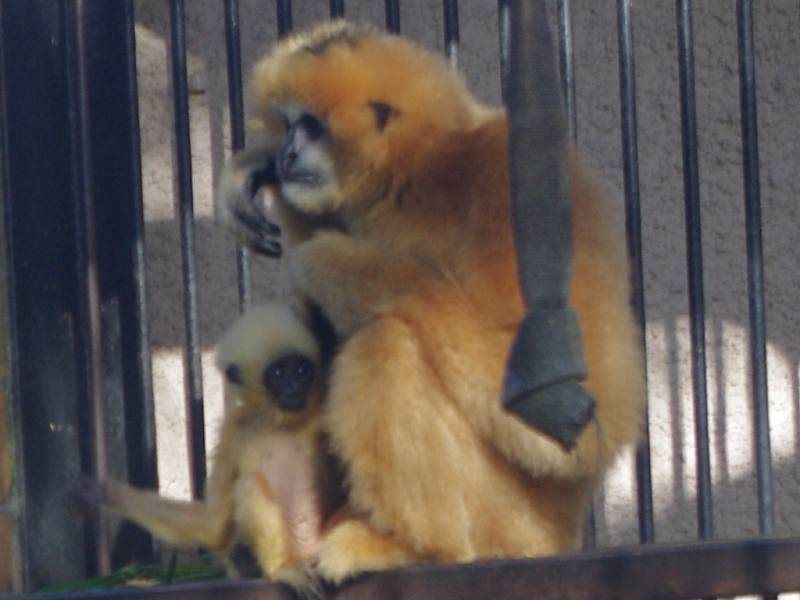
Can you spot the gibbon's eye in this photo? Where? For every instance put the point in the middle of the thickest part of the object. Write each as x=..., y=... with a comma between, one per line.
x=234, y=374
x=288, y=379
x=383, y=112
x=312, y=126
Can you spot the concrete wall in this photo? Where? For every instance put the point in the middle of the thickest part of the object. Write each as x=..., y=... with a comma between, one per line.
x=777, y=35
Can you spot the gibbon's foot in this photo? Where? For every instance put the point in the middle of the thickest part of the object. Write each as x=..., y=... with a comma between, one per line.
x=541, y=382
x=560, y=411
x=353, y=547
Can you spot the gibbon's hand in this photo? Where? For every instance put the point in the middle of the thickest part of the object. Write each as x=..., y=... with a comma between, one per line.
x=243, y=177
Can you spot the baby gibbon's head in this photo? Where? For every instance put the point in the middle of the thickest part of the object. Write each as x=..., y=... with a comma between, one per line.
x=357, y=110
x=270, y=360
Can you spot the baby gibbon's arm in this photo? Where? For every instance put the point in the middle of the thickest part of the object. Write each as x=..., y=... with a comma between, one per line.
x=174, y=521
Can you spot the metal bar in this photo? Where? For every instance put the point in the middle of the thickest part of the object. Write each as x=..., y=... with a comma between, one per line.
x=657, y=572
x=634, y=237
x=146, y=458
x=755, y=265
x=12, y=483
x=89, y=318
x=451, y=31
x=503, y=29
x=39, y=205
x=567, y=66
x=337, y=8
x=142, y=459
x=694, y=266
x=393, y=15
x=567, y=63
x=284, y=12
x=194, y=376
x=236, y=105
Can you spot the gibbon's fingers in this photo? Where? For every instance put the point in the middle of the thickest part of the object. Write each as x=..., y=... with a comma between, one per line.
x=243, y=177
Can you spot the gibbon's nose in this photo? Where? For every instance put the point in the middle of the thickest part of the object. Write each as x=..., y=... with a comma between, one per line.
x=289, y=379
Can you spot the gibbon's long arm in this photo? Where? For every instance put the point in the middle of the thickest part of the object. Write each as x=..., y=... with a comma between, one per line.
x=546, y=362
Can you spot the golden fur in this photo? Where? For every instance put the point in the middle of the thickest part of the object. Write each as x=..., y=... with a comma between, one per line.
x=414, y=263
x=263, y=490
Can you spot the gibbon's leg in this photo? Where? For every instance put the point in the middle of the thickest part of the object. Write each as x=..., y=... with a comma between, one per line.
x=173, y=521
x=353, y=546
x=350, y=278
x=261, y=521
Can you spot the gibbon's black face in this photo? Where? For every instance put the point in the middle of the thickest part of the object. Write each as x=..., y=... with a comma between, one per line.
x=288, y=379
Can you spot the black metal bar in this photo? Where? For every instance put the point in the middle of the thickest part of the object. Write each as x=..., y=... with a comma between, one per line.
x=118, y=177
x=40, y=215
x=567, y=63
x=236, y=104
x=337, y=8
x=194, y=376
x=284, y=12
x=755, y=266
x=142, y=459
x=451, y=31
x=694, y=266
x=657, y=572
x=634, y=236
x=503, y=29
x=12, y=488
x=89, y=318
x=393, y=15
x=567, y=67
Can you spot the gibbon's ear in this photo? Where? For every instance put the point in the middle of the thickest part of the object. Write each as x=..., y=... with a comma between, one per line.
x=383, y=112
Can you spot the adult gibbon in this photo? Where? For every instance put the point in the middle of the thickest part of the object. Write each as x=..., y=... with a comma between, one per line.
x=270, y=485
x=391, y=182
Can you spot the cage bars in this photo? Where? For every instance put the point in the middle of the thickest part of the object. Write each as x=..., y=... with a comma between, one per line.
x=567, y=65
x=283, y=10
x=337, y=8
x=755, y=265
x=89, y=318
x=233, y=55
x=393, y=15
x=634, y=237
x=194, y=377
x=451, y=31
x=694, y=266
x=503, y=28
x=142, y=460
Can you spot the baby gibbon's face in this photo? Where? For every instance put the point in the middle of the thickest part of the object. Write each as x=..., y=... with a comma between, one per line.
x=286, y=381
x=270, y=361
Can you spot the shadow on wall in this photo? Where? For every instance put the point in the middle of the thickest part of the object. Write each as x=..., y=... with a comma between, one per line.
x=671, y=409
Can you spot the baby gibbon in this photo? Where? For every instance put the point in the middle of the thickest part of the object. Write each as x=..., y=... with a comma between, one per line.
x=391, y=180
x=268, y=488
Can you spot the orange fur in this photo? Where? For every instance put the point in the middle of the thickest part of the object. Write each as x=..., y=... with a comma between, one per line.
x=421, y=277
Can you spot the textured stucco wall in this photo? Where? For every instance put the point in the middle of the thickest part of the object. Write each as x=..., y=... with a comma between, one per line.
x=777, y=30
